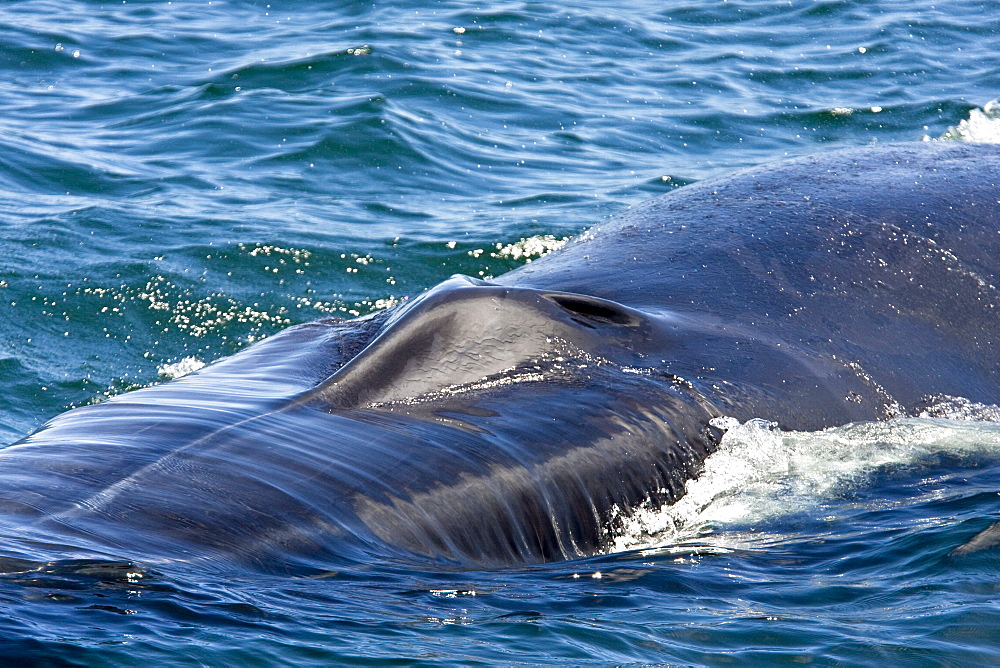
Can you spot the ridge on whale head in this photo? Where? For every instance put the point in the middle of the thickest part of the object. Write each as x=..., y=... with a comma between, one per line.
x=520, y=420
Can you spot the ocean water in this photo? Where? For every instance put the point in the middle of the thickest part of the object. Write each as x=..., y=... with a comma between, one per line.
x=180, y=179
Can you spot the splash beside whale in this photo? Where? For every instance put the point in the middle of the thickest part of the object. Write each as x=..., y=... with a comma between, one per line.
x=519, y=420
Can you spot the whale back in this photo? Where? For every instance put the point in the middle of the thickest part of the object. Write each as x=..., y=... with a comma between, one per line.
x=884, y=256
x=476, y=424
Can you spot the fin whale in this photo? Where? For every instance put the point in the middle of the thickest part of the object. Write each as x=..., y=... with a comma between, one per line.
x=517, y=420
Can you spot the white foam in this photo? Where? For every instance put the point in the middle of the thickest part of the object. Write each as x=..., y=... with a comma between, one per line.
x=181, y=367
x=981, y=126
x=960, y=408
x=760, y=472
x=530, y=247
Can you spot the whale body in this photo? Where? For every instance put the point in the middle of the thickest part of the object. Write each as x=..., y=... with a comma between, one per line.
x=519, y=420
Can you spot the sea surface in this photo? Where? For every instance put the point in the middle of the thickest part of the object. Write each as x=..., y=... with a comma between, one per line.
x=180, y=179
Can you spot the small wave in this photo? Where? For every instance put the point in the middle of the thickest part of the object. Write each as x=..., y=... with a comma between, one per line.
x=982, y=125
x=760, y=472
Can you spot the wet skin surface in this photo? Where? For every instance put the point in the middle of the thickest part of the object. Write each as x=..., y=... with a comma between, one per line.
x=516, y=420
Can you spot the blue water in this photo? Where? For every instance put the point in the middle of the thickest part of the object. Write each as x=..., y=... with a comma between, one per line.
x=179, y=179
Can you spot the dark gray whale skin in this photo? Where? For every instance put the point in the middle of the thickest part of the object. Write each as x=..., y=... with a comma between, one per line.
x=518, y=420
